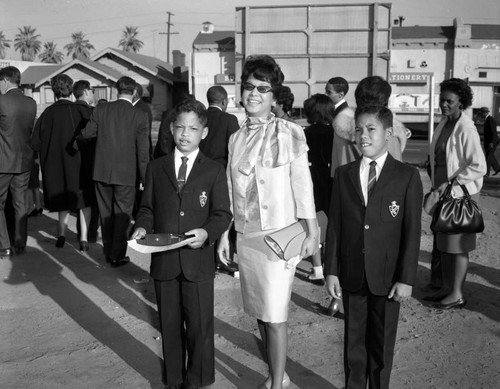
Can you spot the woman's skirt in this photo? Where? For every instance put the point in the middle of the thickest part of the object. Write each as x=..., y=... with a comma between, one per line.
x=456, y=243
x=266, y=283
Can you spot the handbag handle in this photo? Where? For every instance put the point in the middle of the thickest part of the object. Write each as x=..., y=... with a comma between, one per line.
x=447, y=191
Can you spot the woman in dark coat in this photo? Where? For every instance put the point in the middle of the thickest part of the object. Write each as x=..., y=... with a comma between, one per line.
x=53, y=137
x=319, y=109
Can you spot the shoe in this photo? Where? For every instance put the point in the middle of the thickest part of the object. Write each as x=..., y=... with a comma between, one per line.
x=334, y=307
x=35, y=212
x=84, y=245
x=315, y=279
x=459, y=304
x=119, y=262
x=267, y=383
x=434, y=298
x=60, y=242
x=18, y=250
x=5, y=253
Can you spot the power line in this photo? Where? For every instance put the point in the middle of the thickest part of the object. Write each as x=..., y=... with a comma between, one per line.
x=168, y=33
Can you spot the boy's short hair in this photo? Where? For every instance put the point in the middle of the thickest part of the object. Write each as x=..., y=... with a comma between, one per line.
x=191, y=105
x=80, y=87
x=125, y=85
x=383, y=114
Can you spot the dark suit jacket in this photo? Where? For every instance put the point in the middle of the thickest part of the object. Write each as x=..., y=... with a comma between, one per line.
x=221, y=125
x=163, y=209
x=144, y=107
x=122, y=150
x=490, y=131
x=381, y=240
x=17, y=117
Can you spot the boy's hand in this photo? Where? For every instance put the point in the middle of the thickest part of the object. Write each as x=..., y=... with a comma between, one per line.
x=400, y=292
x=223, y=249
x=333, y=287
x=139, y=233
x=201, y=236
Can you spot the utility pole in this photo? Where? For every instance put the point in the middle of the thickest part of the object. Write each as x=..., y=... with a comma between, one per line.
x=168, y=33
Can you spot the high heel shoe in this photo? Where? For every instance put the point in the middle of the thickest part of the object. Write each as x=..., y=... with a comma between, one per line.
x=84, y=245
x=60, y=242
x=459, y=304
x=267, y=383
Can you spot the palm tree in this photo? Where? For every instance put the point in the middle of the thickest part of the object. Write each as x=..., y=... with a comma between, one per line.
x=129, y=41
x=50, y=53
x=4, y=44
x=80, y=47
x=27, y=43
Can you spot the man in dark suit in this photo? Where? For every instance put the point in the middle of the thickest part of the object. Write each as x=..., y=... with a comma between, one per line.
x=122, y=154
x=17, y=116
x=490, y=141
x=141, y=105
x=373, y=242
x=336, y=89
x=221, y=125
x=194, y=202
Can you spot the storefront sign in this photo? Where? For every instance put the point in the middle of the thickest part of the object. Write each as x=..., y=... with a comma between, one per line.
x=409, y=78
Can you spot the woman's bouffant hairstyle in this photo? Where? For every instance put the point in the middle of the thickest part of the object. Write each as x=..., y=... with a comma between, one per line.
x=460, y=88
x=263, y=68
x=373, y=90
x=319, y=108
x=62, y=86
x=285, y=98
x=382, y=113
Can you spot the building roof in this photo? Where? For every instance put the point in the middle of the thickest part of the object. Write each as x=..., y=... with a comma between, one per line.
x=38, y=75
x=219, y=39
x=423, y=32
x=485, y=31
x=151, y=65
x=35, y=73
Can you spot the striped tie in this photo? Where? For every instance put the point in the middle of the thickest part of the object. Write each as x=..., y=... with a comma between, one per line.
x=372, y=178
x=181, y=176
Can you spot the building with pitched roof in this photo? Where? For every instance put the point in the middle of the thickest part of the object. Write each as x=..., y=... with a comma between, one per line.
x=161, y=82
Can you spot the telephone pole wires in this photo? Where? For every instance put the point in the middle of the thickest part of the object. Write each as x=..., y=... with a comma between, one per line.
x=168, y=33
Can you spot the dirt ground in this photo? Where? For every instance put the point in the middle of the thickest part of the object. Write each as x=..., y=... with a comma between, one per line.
x=68, y=320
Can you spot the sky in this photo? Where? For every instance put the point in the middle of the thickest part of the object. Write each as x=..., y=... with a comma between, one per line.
x=102, y=21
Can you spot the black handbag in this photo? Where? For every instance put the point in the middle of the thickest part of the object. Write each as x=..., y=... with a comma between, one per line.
x=457, y=215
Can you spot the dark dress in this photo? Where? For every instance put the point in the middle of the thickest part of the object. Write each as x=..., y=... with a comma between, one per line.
x=53, y=132
x=319, y=138
x=448, y=243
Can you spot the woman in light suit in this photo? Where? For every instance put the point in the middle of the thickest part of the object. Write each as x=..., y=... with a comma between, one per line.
x=455, y=153
x=270, y=188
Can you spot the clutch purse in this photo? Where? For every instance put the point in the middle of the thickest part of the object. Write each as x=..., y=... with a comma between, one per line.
x=457, y=215
x=287, y=242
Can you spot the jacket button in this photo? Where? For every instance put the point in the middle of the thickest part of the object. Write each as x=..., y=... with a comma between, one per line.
x=367, y=227
x=363, y=251
x=262, y=181
x=181, y=213
x=264, y=207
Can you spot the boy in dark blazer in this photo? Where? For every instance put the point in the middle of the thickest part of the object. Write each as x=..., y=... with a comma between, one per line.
x=186, y=197
x=373, y=242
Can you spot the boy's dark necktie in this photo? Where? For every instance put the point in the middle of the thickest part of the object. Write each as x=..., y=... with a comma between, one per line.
x=372, y=177
x=181, y=176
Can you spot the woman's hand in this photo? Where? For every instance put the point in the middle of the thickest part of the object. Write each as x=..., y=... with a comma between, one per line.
x=311, y=242
x=223, y=249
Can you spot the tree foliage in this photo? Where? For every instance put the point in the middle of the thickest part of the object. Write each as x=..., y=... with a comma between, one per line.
x=130, y=41
x=79, y=47
x=50, y=53
x=4, y=45
x=27, y=43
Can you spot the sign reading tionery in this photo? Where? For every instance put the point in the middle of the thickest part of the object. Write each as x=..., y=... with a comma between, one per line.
x=409, y=78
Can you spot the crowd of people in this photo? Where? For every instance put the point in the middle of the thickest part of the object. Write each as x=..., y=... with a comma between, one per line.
x=227, y=187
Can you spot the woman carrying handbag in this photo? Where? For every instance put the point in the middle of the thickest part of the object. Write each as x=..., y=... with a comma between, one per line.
x=456, y=157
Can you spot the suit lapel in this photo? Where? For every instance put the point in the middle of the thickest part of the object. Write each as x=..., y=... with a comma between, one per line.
x=386, y=174
x=354, y=175
x=197, y=169
x=169, y=166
